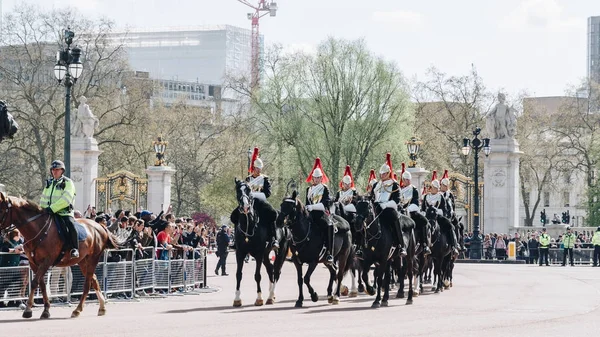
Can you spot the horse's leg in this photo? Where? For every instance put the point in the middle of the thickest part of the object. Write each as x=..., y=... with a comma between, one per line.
x=401, y=274
x=239, y=258
x=437, y=272
x=88, y=268
x=378, y=276
x=96, y=286
x=340, y=275
x=353, y=290
x=361, y=286
x=39, y=277
x=311, y=268
x=257, y=278
x=298, y=266
x=332, y=277
x=365, y=277
x=410, y=272
x=387, y=279
x=270, y=272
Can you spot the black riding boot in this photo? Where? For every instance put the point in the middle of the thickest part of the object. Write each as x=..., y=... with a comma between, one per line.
x=329, y=242
x=424, y=240
x=73, y=237
x=398, y=231
x=274, y=241
x=454, y=242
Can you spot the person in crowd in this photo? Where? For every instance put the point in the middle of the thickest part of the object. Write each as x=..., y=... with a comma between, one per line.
x=596, y=244
x=222, y=246
x=500, y=248
x=534, y=246
x=568, y=245
x=544, y=247
x=12, y=245
x=487, y=247
x=163, y=240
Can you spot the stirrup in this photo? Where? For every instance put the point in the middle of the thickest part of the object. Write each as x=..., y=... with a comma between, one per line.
x=329, y=258
x=403, y=251
x=74, y=253
x=427, y=251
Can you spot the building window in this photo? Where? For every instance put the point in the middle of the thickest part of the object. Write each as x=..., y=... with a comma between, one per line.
x=565, y=200
x=546, y=199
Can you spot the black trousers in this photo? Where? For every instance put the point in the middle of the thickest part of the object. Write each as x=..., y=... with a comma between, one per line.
x=596, y=254
x=565, y=252
x=70, y=232
x=544, y=255
x=222, y=261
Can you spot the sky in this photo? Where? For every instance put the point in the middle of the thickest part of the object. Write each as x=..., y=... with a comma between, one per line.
x=536, y=46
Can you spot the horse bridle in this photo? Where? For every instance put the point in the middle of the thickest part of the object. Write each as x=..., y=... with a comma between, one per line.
x=293, y=218
x=7, y=211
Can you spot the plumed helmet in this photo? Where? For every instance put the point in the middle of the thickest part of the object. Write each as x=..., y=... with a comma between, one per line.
x=317, y=173
x=258, y=163
x=434, y=182
x=255, y=161
x=385, y=168
x=445, y=181
x=57, y=164
x=406, y=175
x=347, y=179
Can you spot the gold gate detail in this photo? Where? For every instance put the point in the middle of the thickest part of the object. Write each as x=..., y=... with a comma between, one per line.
x=464, y=193
x=121, y=190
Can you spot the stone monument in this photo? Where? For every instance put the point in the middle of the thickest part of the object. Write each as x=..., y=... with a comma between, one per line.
x=501, y=170
x=159, y=180
x=84, y=155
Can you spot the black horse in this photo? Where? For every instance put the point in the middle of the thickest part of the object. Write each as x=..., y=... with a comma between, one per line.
x=307, y=247
x=8, y=126
x=459, y=231
x=441, y=249
x=357, y=239
x=252, y=237
x=422, y=233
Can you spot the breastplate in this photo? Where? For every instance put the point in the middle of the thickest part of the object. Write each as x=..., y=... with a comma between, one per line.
x=383, y=190
x=315, y=194
x=257, y=184
x=406, y=195
x=346, y=196
x=434, y=200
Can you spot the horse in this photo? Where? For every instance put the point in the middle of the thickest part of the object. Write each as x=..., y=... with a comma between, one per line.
x=307, y=247
x=357, y=240
x=441, y=248
x=459, y=231
x=420, y=260
x=252, y=237
x=41, y=234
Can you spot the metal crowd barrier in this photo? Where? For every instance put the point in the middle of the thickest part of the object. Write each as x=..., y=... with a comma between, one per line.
x=118, y=272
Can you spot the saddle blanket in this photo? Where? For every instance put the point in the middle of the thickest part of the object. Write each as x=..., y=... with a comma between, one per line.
x=82, y=233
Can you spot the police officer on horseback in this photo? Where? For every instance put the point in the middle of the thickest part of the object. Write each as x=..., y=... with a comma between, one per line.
x=450, y=201
x=436, y=200
x=386, y=195
x=345, y=197
x=317, y=204
x=409, y=200
x=57, y=198
x=261, y=190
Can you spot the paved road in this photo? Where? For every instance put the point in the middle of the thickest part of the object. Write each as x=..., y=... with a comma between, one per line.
x=486, y=300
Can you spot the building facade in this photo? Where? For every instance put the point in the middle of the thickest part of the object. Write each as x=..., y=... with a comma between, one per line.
x=593, y=49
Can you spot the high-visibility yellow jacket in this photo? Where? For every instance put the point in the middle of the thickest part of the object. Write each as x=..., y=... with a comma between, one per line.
x=59, y=195
x=569, y=240
x=544, y=240
x=596, y=239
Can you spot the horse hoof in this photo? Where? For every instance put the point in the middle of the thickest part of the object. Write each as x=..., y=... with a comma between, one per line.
x=27, y=313
x=416, y=294
x=370, y=291
x=450, y=284
x=75, y=314
x=375, y=305
x=433, y=289
x=258, y=303
x=446, y=287
x=384, y=303
x=353, y=293
x=436, y=291
x=314, y=297
x=361, y=288
x=237, y=303
x=298, y=304
x=329, y=299
x=344, y=290
x=335, y=301
x=400, y=294
x=409, y=302
x=270, y=301
x=45, y=315
x=101, y=312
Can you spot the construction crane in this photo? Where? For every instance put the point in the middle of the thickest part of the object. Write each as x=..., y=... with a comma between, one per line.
x=263, y=8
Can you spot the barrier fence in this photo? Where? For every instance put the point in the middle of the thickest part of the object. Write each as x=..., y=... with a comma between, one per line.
x=123, y=272
x=581, y=256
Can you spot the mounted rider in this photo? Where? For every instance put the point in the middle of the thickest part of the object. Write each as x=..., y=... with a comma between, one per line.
x=450, y=201
x=58, y=198
x=386, y=195
x=409, y=201
x=345, y=197
x=317, y=204
x=260, y=188
x=436, y=200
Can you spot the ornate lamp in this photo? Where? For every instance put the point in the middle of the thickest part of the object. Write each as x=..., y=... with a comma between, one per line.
x=160, y=147
x=413, y=146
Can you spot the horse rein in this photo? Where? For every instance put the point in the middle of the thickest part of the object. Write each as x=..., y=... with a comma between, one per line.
x=294, y=242
x=5, y=217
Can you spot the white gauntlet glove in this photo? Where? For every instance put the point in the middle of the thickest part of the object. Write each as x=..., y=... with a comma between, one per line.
x=389, y=204
x=259, y=196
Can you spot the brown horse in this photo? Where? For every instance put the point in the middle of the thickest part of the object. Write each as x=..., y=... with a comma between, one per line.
x=43, y=247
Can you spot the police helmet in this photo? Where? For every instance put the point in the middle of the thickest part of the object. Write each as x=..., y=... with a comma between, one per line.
x=57, y=164
x=568, y=227
x=598, y=229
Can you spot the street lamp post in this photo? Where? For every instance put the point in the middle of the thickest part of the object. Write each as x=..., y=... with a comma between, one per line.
x=160, y=146
x=414, y=146
x=67, y=70
x=249, y=157
x=476, y=144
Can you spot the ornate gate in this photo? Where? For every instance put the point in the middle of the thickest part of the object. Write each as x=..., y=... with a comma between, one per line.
x=463, y=189
x=121, y=190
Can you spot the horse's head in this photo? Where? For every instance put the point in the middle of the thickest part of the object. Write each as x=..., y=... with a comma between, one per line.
x=5, y=207
x=431, y=214
x=243, y=197
x=290, y=208
x=364, y=210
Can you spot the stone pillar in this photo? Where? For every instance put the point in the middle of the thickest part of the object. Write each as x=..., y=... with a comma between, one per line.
x=159, y=188
x=419, y=176
x=501, y=186
x=84, y=170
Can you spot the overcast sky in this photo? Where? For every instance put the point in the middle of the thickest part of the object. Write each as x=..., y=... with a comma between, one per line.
x=533, y=45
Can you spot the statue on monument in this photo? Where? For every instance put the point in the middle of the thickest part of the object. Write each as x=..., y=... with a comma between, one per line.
x=501, y=121
x=83, y=123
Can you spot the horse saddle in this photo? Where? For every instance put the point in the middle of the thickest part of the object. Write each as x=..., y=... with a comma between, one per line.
x=340, y=224
x=406, y=223
x=82, y=233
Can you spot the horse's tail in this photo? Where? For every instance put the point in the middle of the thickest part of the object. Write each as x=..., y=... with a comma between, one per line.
x=113, y=241
x=351, y=261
